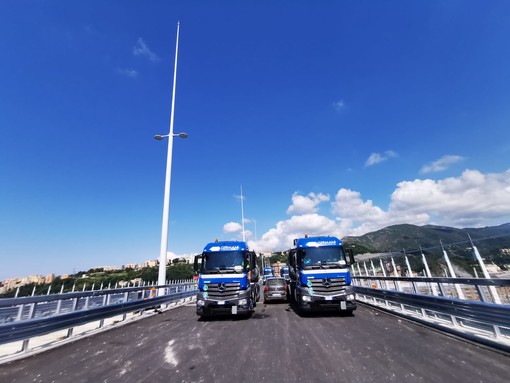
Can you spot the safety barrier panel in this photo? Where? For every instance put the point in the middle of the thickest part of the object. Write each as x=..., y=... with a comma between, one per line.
x=477, y=320
x=24, y=318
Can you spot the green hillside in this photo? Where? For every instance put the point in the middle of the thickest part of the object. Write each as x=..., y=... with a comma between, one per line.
x=397, y=238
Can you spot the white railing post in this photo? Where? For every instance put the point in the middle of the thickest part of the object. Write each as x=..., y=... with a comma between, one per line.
x=384, y=273
x=452, y=273
x=485, y=272
x=378, y=283
x=395, y=274
x=427, y=270
x=410, y=273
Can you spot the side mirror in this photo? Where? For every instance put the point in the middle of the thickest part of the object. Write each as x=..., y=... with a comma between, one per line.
x=292, y=273
x=350, y=257
x=195, y=263
x=250, y=262
x=255, y=274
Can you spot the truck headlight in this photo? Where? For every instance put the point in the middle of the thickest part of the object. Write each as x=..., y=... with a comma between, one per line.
x=200, y=302
x=243, y=301
x=306, y=298
x=351, y=297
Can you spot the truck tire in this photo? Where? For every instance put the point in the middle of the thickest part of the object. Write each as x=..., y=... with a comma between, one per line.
x=348, y=313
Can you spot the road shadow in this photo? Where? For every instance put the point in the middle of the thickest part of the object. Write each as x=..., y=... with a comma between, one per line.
x=224, y=318
x=320, y=313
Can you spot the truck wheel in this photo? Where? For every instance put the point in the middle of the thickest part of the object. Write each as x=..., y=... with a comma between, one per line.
x=251, y=309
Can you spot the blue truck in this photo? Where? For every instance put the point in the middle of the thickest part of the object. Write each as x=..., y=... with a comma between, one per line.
x=268, y=273
x=320, y=277
x=227, y=279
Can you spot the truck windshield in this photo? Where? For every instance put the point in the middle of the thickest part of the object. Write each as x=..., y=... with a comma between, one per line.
x=223, y=261
x=322, y=257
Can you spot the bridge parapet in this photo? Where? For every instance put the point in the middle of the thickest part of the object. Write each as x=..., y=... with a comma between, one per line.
x=22, y=319
x=436, y=303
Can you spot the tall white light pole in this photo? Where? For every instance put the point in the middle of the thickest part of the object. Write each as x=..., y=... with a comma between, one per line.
x=166, y=203
x=242, y=213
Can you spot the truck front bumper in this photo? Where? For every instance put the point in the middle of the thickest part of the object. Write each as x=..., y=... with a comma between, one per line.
x=239, y=306
x=345, y=302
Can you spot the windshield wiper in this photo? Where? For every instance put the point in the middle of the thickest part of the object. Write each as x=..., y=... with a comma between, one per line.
x=333, y=264
x=212, y=269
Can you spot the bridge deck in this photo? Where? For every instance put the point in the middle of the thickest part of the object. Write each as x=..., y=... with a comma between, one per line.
x=175, y=346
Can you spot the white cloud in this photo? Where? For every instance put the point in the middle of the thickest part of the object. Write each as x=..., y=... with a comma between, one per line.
x=473, y=198
x=357, y=217
x=283, y=235
x=236, y=229
x=339, y=105
x=141, y=49
x=128, y=72
x=441, y=164
x=469, y=200
x=232, y=227
x=376, y=158
x=308, y=204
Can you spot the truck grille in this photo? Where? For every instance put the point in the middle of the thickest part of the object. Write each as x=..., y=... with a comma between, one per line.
x=328, y=286
x=223, y=291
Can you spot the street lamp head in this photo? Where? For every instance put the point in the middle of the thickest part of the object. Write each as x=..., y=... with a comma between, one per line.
x=159, y=137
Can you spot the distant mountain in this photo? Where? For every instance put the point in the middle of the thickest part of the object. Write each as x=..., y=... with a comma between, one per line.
x=396, y=238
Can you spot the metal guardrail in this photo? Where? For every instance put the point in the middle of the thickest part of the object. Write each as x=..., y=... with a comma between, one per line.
x=476, y=318
x=28, y=317
x=477, y=289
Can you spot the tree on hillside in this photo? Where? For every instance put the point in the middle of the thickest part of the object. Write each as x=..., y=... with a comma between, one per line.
x=279, y=256
x=149, y=274
x=179, y=271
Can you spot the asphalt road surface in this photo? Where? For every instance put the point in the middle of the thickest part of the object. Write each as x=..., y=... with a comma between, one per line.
x=274, y=345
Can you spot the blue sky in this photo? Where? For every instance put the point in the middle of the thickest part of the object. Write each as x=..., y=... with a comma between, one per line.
x=339, y=118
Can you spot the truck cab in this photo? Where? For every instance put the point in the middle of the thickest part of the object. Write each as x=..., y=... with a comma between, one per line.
x=227, y=279
x=268, y=273
x=320, y=278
